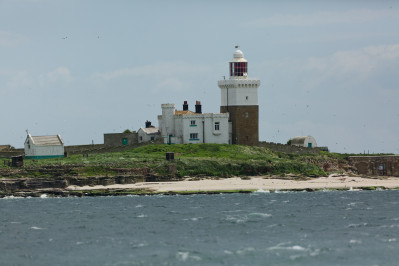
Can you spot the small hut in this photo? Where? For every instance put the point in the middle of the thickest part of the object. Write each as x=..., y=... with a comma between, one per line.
x=44, y=147
x=306, y=141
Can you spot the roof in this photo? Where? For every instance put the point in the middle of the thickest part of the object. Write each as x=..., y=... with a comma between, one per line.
x=301, y=140
x=238, y=57
x=150, y=130
x=186, y=112
x=298, y=140
x=47, y=140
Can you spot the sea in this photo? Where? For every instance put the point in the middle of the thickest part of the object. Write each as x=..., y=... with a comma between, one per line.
x=260, y=228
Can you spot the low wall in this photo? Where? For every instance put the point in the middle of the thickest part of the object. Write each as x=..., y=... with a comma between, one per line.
x=387, y=165
x=278, y=147
x=9, y=154
x=76, y=149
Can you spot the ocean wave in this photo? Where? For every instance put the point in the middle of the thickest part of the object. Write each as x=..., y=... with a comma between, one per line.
x=37, y=228
x=185, y=255
x=287, y=246
x=262, y=191
x=357, y=225
x=264, y=215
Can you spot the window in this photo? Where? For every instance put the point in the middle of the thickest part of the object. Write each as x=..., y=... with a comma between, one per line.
x=246, y=114
x=238, y=68
x=217, y=125
x=141, y=138
x=193, y=136
x=246, y=97
x=192, y=123
x=152, y=138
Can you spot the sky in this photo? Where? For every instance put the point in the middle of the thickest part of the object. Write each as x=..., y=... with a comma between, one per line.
x=328, y=69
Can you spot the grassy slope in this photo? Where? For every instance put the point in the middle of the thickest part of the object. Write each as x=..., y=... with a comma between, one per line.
x=195, y=160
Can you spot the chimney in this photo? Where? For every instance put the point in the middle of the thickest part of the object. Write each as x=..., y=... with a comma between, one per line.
x=185, y=106
x=147, y=124
x=198, y=107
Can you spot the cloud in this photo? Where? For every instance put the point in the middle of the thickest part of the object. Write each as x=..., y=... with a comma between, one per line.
x=351, y=66
x=158, y=70
x=21, y=79
x=170, y=84
x=9, y=39
x=17, y=80
x=59, y=75
x=324, y=18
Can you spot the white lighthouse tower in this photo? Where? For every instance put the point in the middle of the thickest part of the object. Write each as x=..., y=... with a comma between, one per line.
x=239, y=98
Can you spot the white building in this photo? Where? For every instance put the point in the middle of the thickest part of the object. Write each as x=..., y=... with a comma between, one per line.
x=149, y=133
x=43, y=147
x=179, y=127
x=306, y=141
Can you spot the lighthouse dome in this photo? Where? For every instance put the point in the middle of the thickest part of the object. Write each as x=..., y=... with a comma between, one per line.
x=238, y=54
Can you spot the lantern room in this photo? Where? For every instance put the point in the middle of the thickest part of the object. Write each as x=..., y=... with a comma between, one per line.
x=238, y=66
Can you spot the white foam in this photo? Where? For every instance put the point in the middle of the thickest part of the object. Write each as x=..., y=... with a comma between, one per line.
x=284, y=246
x=245, y=250
x=357, y=225
x=36, y=228
x=262, y=191
x=184, y=256
x=12, y=197
x=237, y=218
x=141, y=216
x=43, y=196
x=140, y=245
x=260, y=214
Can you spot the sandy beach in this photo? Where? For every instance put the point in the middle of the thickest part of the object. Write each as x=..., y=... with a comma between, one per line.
x=256, y=183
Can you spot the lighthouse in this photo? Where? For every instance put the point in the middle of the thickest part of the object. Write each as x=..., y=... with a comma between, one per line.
x=239, y=98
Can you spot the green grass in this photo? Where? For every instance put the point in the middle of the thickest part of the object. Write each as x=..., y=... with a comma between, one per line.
x=217, y=160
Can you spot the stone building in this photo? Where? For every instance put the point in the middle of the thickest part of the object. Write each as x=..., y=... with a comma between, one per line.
x=43, y=147
x=186, y=126
x=239, y=98
x=120, y=139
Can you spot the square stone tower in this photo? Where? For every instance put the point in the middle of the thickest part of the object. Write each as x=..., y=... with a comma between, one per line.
x=239, y=98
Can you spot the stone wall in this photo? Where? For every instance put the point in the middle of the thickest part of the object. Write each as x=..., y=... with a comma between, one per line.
x=278, y=147
x=245, y=124
x=5, y=147
x=376, y=165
